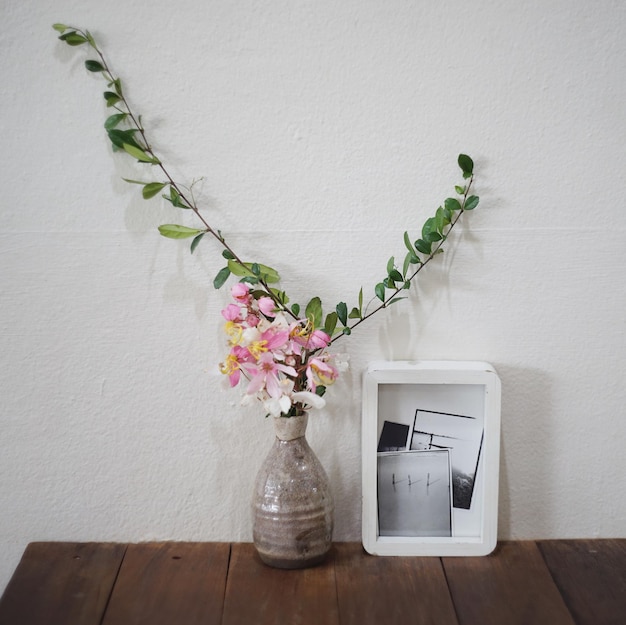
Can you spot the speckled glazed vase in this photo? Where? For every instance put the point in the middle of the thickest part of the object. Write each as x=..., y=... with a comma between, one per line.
x=292, y=504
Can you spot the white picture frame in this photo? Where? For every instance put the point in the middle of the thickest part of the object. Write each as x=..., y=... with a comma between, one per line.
x=430, y=458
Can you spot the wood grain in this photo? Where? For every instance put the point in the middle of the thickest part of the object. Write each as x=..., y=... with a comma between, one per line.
x=170, y=584
x=512, y=586
x=591, y=576
x=260, y=595
x=558, y=582
x=61, y=583
x=391, y=590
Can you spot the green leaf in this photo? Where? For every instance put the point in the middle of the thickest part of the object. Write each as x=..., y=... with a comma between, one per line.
x=120, y=137
x=174, y=231
x=320, y=390
x=433, y=237
x=151, y=189
x=452, y=204
x=342, y=312
x=295, y=309
x=347, y=331
x=281, y=296
x=175, y=198
x=394, y=300
x=139, y=154
x=396, y=276
x=142, y=182
x=466, y=164
x=194, y=243
x=90, y=39
x=255, y=269
x=459, y=190
x=228, y=255
x=442, y=219
x=94, y=66
x=73, y=39
x=390, y=265
x=117, y=85
x=429, y=226
x=406, y=264
x=355, y=313
x=313, y=312
x=221, y=277
x=60, y=27
x=407, y=242
x=114, y=120
x=330, y=323
x=429, y=231
x=361, y=300
x=471, y=203
x=379, y=289
x=423, y=247
x=111, y=98
x=266, y=273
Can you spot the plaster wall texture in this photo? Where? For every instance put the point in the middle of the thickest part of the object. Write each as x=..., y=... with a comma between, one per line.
x=322, y=131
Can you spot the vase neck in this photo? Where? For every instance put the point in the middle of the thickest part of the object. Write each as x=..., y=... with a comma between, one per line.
x=290, y=428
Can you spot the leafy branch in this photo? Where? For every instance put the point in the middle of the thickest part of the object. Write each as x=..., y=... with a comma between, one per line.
x=434, y=234
x=133, y=141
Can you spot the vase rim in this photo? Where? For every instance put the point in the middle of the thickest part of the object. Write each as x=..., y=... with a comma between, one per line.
x=290, y=428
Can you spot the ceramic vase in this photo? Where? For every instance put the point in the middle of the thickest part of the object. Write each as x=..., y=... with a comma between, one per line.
x=292, y=504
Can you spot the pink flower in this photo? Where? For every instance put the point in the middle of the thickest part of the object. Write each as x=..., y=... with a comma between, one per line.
x=267, y=306
x=275, y=339
x=240, y=292
x=265, y=375
x=308, y=340
x=232, y=366
x=270, y=340
x=232, y=312
x=252, y=320
x=319, y=372
x=317, y=339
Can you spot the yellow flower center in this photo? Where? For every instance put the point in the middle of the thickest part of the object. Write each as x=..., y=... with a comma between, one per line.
x=230, y=366
x=234, y=332
x=256, y=348
x=323, y=379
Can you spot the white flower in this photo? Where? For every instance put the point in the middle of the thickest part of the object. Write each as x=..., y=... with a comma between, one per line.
x=308, y=399
x=249, y=336
x=279, y=406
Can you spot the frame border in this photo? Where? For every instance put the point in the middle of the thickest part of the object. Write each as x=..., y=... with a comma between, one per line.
x=431, y=372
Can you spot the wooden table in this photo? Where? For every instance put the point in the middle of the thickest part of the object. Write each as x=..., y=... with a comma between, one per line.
x=170, y=583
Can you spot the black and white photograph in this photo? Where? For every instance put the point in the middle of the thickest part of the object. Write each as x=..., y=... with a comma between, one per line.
x=414, y=494
x=462, y=436
x=394, y=437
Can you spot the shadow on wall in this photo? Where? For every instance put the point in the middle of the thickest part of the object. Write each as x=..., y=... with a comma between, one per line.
x=527, y=434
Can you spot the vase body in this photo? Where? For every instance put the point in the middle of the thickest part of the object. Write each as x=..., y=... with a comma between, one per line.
x=292, y=503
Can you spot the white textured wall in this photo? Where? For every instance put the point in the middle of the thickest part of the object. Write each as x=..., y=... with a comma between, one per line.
x=323, y=130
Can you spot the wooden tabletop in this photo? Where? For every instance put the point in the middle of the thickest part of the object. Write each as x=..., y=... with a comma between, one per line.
x=563, y=582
